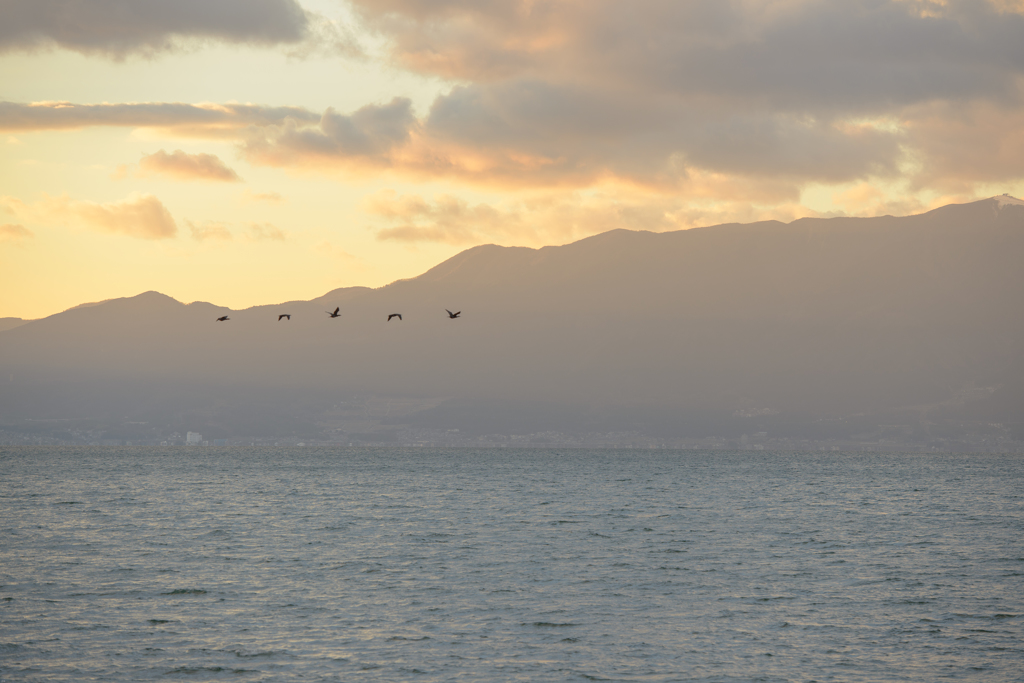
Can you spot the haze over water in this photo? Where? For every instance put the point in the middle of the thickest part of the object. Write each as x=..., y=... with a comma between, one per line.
x=130, y=564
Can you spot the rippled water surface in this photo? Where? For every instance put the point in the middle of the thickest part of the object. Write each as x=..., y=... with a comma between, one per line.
x=207, y=564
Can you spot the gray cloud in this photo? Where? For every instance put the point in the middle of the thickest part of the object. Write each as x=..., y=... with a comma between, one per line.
x=604, y=132
x=654, y=90
x=369, y=133
x=780, y=145
x=774, y=94
x=182, y=166
x=533, y=133
x=792, y=54
x=197, y=120
x=819, y=56
x=958, y=145
x=121, y=27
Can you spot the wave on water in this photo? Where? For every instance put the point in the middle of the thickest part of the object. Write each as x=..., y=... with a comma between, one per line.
x=490, y=565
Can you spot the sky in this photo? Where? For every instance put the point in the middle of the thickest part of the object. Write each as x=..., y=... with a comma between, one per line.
x=248, y=152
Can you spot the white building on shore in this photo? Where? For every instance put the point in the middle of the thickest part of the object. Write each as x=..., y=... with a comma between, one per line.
x=193, y=439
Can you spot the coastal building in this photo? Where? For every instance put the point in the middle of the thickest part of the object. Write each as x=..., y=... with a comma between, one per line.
x=193, y=439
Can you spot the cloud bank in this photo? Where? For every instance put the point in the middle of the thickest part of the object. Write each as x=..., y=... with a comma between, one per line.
x=709, y=100
x=551, y=218
x=655, y=91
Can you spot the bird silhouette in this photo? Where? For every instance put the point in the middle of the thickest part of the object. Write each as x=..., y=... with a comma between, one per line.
x=394, y=315
x=284, y=315
x=335, y=314
x=454, y=315
x=223, y=318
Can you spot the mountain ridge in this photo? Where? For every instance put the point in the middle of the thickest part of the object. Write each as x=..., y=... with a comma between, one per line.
x=819, y=318
x=459, y=259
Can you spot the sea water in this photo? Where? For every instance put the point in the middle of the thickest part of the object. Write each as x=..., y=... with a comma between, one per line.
x=321, y=564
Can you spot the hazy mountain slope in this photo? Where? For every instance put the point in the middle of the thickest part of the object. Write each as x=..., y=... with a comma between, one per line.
x=817, y=317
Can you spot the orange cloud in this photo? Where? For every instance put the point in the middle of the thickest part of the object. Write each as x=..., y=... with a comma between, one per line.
x=141, y=216
x=865, y=199
x=12, y=206
x=263, y=196
x=1009, y=6
x=555, y=218
x=204, y=120
x=14, y=232
x=467, y=136
x=137, y=215
x=703, y=99
x=576, y=93
x=182, y=166
x=448, y=219
x=960, y=146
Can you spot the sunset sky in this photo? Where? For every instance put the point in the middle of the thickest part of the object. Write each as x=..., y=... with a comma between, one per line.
x=250, y=152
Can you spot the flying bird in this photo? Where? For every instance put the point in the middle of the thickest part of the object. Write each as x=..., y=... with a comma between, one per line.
x=333, y=315
x=394, y=315
x=454, y=315
x=223, y=318
x=284, y=315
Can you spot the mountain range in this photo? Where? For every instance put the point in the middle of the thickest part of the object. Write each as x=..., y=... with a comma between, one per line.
x=842, y=327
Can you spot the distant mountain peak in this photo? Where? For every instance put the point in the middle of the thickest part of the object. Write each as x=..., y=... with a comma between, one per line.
x=146, y=297
x=11, y=323
x=1006, y=200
